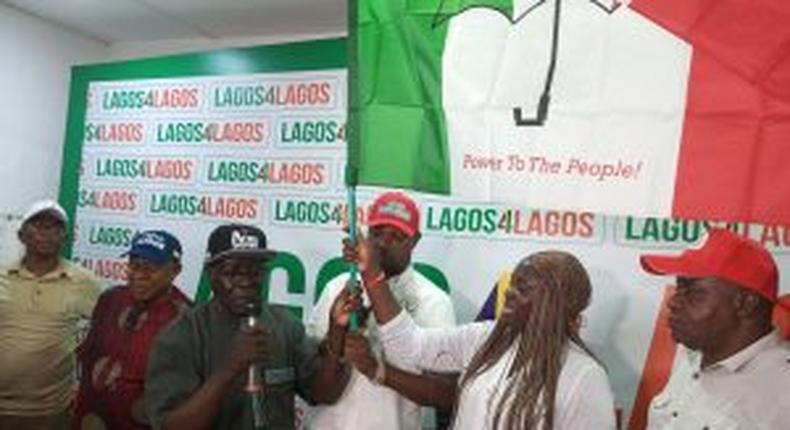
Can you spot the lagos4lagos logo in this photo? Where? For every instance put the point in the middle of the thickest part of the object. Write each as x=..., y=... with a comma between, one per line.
x=548, y=23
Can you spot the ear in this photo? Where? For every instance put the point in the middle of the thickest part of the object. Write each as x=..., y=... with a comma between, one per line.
x=415, y=239
x=746, y=304
x=64, y=236
x=24, y=234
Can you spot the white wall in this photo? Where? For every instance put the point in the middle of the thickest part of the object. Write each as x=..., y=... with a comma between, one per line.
x=124, y=51
x=35, y=57
x=34, y=84
x=35, y=60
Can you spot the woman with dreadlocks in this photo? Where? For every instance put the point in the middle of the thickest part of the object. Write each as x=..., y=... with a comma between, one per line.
x=530, y=370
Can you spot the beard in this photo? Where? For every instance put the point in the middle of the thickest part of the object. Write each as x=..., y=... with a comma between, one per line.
x=392, y=266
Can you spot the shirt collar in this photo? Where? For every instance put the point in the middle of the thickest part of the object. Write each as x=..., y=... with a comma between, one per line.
x=401, y=286
x=61, y=271
x=403, y=280
x=736, y=361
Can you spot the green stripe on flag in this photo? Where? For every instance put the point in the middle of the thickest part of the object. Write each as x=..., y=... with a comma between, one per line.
x=398, y=134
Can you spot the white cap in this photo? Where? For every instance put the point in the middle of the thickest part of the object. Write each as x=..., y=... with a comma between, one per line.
x=46, y=205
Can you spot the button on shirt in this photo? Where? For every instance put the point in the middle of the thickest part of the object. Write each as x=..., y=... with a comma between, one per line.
x=430, y=307
x=39, y=323
x=583, y=401
x=747, y=391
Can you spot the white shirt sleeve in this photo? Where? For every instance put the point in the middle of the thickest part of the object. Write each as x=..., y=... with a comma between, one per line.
x=589, y=404
x=446, y=349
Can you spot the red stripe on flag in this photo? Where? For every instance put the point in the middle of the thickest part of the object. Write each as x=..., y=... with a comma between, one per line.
x=733, y=161
x=658, y=365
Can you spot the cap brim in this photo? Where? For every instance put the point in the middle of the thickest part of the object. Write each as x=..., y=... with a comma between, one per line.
x=670, y=265
x=260, y=254
x=405, y=229
x=51, y=212
x=148, y=258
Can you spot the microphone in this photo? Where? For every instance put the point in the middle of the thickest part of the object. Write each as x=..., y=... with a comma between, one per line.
x=254, y=385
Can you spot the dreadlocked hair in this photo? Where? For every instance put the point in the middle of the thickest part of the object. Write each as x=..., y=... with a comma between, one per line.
x=559, y=290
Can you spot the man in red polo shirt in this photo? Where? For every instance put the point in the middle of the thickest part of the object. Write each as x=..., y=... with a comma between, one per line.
x=114, y=355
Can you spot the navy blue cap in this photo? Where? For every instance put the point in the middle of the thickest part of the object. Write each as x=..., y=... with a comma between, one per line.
x=156, y=246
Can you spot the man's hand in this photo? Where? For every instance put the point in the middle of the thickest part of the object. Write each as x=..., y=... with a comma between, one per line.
x=345, y=303
x=364, y=255
x=250, y=347
x=357, y=352
x=351, y=252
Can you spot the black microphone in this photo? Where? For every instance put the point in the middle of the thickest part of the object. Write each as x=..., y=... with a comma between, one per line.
x=254, y=385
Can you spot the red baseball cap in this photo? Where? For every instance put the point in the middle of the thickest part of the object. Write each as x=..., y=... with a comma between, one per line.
x=724, y=255
x=397, y=210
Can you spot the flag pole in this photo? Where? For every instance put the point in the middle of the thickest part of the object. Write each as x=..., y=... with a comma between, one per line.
x=354, y=283
x=352, y=147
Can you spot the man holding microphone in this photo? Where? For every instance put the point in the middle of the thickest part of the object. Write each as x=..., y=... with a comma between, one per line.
x=199, y=373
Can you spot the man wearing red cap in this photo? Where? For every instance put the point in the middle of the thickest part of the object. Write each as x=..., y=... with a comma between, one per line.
x=737, y=374
x=371, y=399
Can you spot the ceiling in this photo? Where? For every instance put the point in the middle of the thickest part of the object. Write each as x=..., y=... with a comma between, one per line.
x=118, y=21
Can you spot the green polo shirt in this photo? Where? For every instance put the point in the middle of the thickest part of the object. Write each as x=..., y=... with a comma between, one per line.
x=196, y=346
x=39, y=322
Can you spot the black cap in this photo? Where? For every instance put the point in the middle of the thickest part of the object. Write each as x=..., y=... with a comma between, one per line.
x=237, y=240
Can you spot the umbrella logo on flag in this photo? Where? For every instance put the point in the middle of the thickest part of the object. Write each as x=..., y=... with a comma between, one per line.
x=444, y=14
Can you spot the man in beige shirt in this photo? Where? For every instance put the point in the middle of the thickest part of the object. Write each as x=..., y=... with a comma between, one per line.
x=733, y=371
x=43, y=298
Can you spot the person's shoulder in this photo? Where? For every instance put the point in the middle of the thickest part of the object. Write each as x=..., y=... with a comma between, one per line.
x=8, y=270
x=784, y=347
x=775, y=358
x=431, y=298
x=285, y=321
x=181, y=327
x=580, y=362
x=181, y=299
x=7, y=274
x=116, y=292
x=283, y=314
x=427, y=288
x=80, y=274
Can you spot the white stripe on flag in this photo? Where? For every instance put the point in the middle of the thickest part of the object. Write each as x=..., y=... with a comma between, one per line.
x=618, y=99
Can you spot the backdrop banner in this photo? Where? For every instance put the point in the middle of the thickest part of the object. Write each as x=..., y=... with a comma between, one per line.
x=257, y=136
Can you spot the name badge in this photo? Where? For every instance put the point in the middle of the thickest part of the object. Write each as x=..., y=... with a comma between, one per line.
x=279, y=375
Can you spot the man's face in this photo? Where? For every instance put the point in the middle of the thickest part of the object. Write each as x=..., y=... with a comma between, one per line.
x=393, y=247
x=148, y=281
x=236, y=283
x=702, y=312
x=43, y=235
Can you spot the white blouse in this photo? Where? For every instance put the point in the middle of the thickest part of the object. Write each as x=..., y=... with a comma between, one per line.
x=584, y=399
